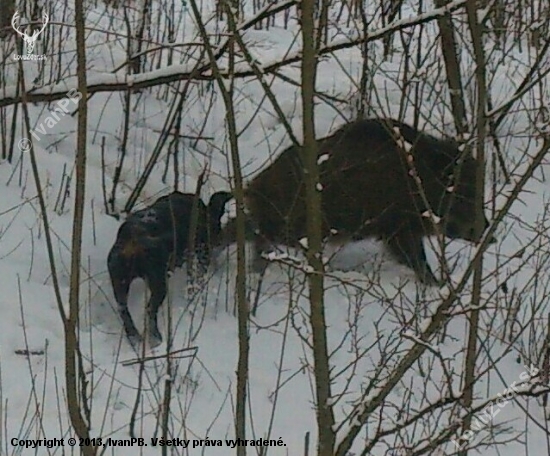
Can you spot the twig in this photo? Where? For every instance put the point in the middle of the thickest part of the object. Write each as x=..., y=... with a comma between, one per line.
x=146, y=359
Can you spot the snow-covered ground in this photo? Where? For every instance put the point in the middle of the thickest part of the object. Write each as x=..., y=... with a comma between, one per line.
x=371, y=323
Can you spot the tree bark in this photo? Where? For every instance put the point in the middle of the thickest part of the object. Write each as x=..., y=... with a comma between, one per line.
x=449, y=49
x=325, y=416
x=481, y=126
x=72, y=350
x=242, y=303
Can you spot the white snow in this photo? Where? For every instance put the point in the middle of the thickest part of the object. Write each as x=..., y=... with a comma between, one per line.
x=323, y=158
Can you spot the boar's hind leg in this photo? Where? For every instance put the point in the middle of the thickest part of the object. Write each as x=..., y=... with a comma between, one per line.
x=407, y=249
x=158, y=286
x=259, y=263
x=129, y=327
x=121, y=289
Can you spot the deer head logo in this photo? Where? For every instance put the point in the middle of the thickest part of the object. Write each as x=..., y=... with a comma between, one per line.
x=30, y=40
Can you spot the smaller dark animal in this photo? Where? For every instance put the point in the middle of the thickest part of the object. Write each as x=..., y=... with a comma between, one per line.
x=369, y=173
x=155, y=240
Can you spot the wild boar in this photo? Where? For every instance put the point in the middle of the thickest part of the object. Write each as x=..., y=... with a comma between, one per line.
x=152, y=241
x=370, y=172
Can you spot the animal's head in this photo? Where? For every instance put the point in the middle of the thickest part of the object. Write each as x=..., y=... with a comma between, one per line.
x=460, y=197
x=216, y=206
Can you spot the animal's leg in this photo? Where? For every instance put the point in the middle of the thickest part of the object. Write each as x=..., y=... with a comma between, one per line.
x=131, y=331
x=197, y=269
x=259, y=263
x=158, y=287
x=121, y=295
x=202, y=261
x=408, y=249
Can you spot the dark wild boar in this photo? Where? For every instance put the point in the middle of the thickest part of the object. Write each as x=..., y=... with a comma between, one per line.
x=368, y=189
x=152, y=241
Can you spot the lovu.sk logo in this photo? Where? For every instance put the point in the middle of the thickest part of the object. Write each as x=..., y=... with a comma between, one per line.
x=30, y=40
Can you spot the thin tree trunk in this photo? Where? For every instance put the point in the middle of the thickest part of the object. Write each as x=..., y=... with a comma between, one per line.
x=325, y=416
x=241, y=299
x=481, y=125
x=243, y=309
x=449, y=49
x=72, y=351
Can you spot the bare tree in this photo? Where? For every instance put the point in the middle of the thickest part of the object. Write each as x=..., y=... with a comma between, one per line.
x=242, y=303
x=73, y=360
x=481, y=134
x=325, y=415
